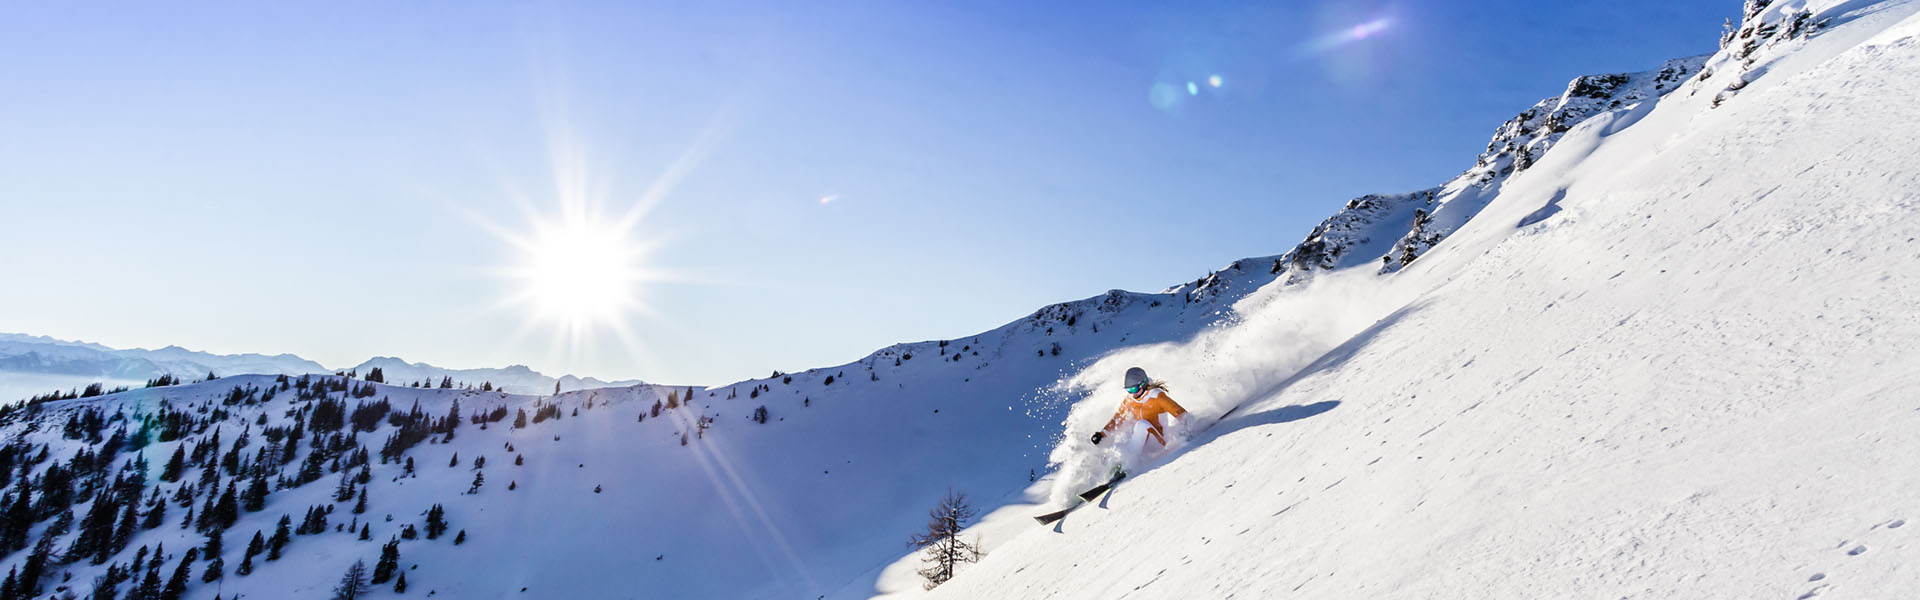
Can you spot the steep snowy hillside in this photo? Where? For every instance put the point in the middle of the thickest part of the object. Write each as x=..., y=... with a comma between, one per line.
x=1672, y=358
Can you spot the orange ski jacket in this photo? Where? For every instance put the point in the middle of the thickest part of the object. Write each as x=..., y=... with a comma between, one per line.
x=1148, y=408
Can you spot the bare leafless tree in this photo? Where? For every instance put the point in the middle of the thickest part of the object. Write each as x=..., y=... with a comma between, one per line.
x=942, y=542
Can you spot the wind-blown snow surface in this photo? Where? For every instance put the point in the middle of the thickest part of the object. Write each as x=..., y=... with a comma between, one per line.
x=1673, y=359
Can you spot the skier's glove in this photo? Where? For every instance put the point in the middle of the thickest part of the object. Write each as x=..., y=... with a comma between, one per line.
x=1097, y=436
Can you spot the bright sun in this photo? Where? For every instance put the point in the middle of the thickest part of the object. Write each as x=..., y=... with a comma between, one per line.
x=580, y=273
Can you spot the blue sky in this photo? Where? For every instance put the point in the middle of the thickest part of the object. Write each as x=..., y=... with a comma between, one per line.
x=337, y=180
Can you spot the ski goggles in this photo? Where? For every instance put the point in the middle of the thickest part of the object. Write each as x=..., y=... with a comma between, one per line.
x=1135, y=389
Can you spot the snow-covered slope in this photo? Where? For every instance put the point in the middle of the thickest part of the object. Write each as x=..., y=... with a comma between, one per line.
x=1664, y=359
x=1673, y=358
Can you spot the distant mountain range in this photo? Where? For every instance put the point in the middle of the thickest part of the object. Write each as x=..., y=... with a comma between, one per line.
x=29, y=363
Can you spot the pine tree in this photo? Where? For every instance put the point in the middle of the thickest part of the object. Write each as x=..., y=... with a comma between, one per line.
x=400, y=587
x=206, y=513
x=389, y=562
x=455, y=463
x=281, y=535
x=177, y=585
x=210, y=473
x=460, y=538
x=156, y=516
x=436, y=522
x=942, y=540
x=215, y=570
x=343, y=491
x=254, y=547
x=129, y=524
x=360, y=507
x=353, y=583
x=19, y=520
x=62, y=523
x=96, y=530
x=479, y=479
x=149, y=588
x=105, y=586
x=213, y=547
x=255, y=498
x=36, y=566
x=175, y=465
x=227, y=510
x=366, y=532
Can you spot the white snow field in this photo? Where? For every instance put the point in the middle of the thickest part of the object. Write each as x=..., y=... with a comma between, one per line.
x=1658, y=342
x=1675, y=358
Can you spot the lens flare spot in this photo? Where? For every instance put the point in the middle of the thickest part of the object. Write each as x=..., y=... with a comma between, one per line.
x=1163, y=96
x=1367, y=29
x=1214, y=81
x=1344, y=36
x=1192, y=90
x=829, y=198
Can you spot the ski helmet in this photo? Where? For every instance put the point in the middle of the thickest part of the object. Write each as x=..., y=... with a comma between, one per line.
x=1136, y=376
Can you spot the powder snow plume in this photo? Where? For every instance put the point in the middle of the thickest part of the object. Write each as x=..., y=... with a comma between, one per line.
x=1273, y=334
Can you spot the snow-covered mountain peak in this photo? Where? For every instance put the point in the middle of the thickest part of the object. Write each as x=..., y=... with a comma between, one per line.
x=1395, y=229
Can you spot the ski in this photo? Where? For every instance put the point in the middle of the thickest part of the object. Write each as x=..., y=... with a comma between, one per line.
x=1089, y=495
x=1085, y=497
x=1049, y=518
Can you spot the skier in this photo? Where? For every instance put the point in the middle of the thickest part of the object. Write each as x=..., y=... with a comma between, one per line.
x=1146, y=413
